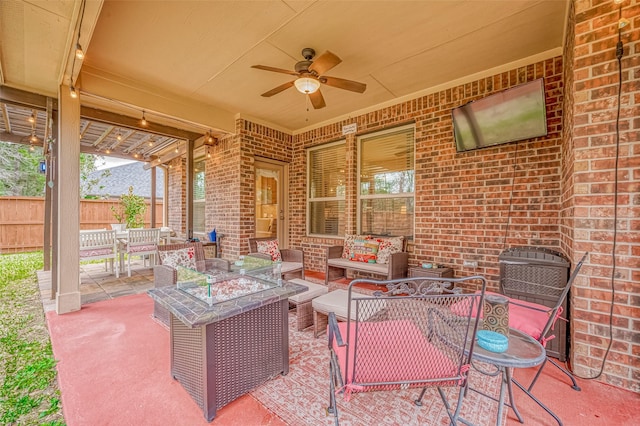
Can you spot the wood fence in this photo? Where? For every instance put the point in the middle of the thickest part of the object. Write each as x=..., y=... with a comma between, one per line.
x=22, y=221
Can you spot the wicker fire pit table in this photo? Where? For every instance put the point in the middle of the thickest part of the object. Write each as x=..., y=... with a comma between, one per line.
x=228, y=336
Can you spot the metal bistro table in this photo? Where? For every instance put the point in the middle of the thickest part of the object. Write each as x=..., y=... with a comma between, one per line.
x=523, y=352
x=225, y=345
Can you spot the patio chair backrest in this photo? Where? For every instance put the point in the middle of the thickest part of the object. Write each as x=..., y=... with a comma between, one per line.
x=97, y=240
x=138, y=237
x=410, y=335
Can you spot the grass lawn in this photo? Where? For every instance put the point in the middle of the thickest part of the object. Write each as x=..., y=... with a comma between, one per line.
x=29, y=393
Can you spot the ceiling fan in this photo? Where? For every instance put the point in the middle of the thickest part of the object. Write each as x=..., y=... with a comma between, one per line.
x=311, y=73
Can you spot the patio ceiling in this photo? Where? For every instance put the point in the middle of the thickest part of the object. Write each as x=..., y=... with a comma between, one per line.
x=188, y=63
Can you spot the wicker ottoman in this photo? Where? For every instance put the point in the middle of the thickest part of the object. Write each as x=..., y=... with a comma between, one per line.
x=302, y=302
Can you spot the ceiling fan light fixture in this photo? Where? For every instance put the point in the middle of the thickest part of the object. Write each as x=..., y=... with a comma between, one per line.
x=307, y=85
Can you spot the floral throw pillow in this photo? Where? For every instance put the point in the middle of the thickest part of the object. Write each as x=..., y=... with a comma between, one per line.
x=364, y=251
x=185, y=257
x=271, y=248
x=388, y=246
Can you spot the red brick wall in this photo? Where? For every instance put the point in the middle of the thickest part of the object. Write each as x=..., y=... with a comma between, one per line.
x=230, y=177
x=462, y=199
x=595, y=86
x=562, y=184
x=177, y=173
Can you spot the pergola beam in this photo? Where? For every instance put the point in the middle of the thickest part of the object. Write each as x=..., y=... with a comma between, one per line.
x=133, y=123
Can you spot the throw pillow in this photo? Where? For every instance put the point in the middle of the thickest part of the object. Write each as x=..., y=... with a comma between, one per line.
x=185, y=257
x=270, y=247
x=388, y=246
x=364, y=251
x=347, y=250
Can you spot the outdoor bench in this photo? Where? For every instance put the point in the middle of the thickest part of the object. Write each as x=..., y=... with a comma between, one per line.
x=394, y=266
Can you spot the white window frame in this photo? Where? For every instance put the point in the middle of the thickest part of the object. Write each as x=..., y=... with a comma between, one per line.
x=319, y=199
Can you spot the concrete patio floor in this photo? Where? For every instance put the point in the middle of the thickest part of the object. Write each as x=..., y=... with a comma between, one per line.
x=596, y=404
x=96, y=284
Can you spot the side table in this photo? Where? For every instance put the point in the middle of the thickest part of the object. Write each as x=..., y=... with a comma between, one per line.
x=523, y=352
x=417, y=271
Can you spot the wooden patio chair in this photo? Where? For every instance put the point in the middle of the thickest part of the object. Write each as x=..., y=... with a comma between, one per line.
x=406, y=337
x=140, y=242
x=100, y=244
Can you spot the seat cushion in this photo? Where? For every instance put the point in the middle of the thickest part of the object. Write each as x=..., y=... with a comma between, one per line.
x=375, y=268
x=291, y=266
x=528, y=317
x=379, y=347
x=314, y=290
x=336, y=302
x=96, y=252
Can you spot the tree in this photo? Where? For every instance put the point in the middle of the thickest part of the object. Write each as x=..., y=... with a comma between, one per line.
x=88, y=165
x=19, y=174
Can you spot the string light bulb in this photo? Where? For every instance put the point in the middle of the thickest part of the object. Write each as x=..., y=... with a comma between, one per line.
x=33, y=138
x=79, y=51
x=208, y=152
x=32, y=148
x=119, y=137
x=143, y=122
x=210, y=136
x=32, y=118
x=72, y=92
x=150, y=143
x=176, y=150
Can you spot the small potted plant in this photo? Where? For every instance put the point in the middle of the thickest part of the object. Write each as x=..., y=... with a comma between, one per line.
x=129, y=213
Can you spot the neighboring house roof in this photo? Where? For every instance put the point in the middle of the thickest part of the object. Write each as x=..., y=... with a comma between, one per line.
x=128, y=175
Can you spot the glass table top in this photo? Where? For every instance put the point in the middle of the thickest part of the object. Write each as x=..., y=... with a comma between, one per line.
x=248, y=275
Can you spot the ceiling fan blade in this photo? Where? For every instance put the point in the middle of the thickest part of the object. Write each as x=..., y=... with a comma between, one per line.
x=324, y=63
x=341, y=83
x=280, y=70
x=317, y=100
x=278, y=89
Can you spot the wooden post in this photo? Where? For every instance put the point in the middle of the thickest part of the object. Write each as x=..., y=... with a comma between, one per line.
x=68, y=189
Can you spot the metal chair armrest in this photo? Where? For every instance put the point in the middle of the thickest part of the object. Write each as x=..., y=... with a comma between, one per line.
x=334, y=330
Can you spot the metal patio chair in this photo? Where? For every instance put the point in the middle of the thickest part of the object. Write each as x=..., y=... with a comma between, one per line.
x=414, y=335
x=538, y=320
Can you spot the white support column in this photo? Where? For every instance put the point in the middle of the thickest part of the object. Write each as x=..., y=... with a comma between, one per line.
x=68, y=189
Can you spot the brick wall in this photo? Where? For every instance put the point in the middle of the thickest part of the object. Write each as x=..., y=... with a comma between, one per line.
x=177, y=174
x=594, y=71
x=562, y=184
x=462, y=199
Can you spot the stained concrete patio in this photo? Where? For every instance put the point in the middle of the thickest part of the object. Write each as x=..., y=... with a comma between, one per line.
x=596, y=404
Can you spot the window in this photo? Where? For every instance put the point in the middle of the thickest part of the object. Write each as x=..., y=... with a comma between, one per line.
x=387, y=182
x=198, y=196
x=326, y=185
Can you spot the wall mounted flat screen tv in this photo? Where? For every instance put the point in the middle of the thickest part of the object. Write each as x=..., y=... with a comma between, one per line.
x=515, y=114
